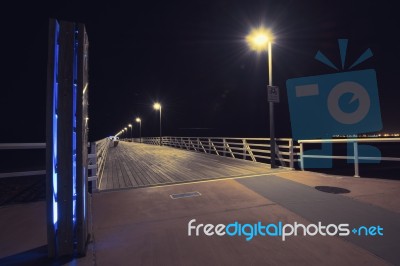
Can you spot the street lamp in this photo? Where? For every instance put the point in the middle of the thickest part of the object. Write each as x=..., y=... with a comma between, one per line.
x=260, y=40
x=138, y=120
x=157, y=106
x=126, y=130
x=130, y=125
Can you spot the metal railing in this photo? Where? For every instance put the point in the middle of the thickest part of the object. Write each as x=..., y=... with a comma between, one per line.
x=252, y=149
x=97, y=160
x=22, y=146
x=355, y=156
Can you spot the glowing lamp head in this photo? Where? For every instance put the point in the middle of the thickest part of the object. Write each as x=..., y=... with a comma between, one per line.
x=130, y=125
x=259, y=38
x=157, y=106
x=138, y=120
x=125, y=129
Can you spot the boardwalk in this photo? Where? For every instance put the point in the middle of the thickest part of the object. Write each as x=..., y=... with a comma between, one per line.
x=138, y=165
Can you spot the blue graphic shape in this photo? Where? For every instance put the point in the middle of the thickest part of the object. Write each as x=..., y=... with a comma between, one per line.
x=326, y=150
x=310, y=97
x=322, y=58
x=364, y=150
x=367, y=54
x=343, y=49
x=348, y=103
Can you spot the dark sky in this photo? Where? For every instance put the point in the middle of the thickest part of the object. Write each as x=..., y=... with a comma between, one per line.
x=191, y=56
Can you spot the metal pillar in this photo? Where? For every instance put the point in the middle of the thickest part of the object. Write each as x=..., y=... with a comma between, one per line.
x=66, y=138
x=271, y=110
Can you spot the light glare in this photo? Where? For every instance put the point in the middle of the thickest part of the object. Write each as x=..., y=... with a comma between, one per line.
x=157, y=106
x=259, y=38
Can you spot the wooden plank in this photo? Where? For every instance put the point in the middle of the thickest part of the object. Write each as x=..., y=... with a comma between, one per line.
x=127, y=175
x=137, y=165
x=130, y=176
x=114, y=177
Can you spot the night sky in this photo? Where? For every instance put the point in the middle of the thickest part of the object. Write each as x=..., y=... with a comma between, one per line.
x=191, y=56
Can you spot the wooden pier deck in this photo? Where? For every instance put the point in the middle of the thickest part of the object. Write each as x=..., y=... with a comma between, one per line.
x=139, y=165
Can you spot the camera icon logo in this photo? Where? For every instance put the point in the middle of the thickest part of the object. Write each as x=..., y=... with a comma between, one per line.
x=344, y=103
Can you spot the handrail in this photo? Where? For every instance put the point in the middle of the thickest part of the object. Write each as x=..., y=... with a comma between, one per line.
x=99, y=156
x=101, y=152
x=22, y=146
x=349, y=140
x=355, y=156
x=25, y=173
x=252, y=149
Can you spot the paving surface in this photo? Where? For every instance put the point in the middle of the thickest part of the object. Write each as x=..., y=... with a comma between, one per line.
x=152, y=228
x=317, y=206
x=145, y=226
x=139, y=165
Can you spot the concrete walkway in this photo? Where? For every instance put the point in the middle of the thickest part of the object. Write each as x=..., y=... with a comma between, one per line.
x=317, y=206
x=145, y=226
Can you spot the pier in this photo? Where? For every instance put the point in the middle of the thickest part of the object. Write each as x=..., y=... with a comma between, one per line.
x=134, y=217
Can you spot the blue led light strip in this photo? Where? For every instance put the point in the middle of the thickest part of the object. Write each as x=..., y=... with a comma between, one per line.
x=74, y=118
x=55, y=124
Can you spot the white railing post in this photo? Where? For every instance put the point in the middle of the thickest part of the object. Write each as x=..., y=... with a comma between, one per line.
x=301, y=157
x=244, y=148
x=356, y=170
x=291, y=153
x=202, y=146
x=209, y=146
x=278, y=154
x=94, y=172
x=230, y=150
x=224, y=144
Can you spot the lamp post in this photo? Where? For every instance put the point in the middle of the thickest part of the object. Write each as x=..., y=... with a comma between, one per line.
x=157, y=106
x=130, y=125
x=260, y=40
x=138, y=120
x=126, y=130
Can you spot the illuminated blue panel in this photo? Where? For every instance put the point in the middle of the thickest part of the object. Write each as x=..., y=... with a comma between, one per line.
x=74, y=118
x=55, y=124
x=84, y=170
